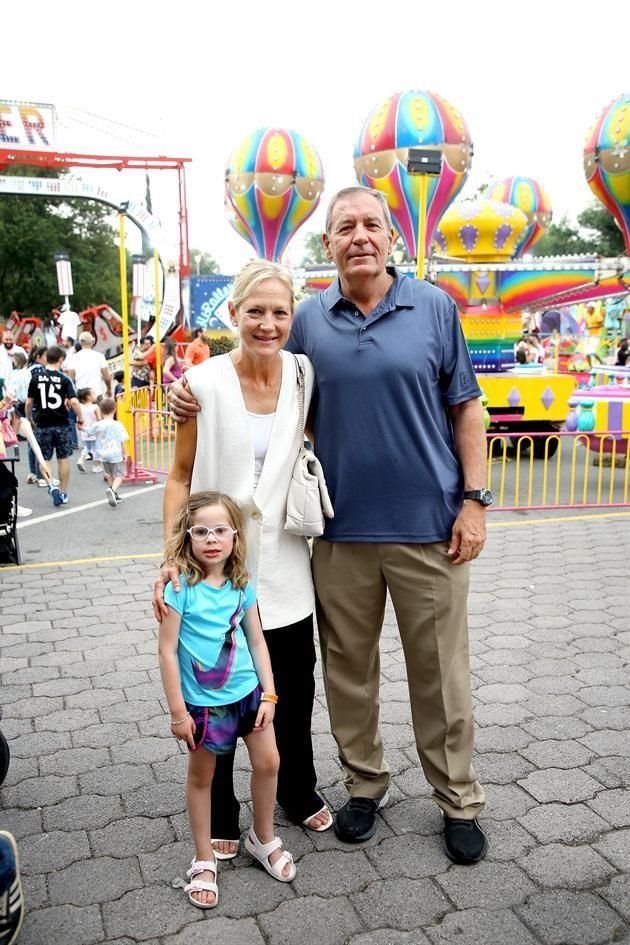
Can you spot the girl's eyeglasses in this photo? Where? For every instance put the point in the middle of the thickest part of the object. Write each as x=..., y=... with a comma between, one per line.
x=219, y=532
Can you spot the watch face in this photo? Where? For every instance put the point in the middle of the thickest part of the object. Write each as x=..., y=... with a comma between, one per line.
x=486, y=497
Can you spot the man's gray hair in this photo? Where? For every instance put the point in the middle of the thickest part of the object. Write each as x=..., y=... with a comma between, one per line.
x=350, y=191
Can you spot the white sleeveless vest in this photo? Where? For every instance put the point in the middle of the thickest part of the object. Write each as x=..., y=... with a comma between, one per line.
x=278, y=562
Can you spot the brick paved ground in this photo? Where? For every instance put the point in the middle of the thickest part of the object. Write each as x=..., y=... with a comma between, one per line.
x=94, y=793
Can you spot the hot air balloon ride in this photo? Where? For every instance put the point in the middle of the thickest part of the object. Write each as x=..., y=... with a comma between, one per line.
x=273, y=183
x=532, y=199
x=607, y=162
x=415, y=119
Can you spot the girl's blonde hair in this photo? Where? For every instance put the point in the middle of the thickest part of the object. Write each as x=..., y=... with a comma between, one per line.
x=179, y=547
x=255, y=272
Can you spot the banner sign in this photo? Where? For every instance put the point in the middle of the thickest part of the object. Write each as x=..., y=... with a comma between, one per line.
x=209, y=302
x=27, y=126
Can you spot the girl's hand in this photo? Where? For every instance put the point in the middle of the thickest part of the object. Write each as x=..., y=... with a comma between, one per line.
x=266, y=712
x=185, y=731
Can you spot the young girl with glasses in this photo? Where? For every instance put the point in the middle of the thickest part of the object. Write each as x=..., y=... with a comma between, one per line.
x=218, y=682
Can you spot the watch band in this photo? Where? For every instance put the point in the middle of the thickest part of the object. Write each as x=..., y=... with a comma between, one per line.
x=483, y=496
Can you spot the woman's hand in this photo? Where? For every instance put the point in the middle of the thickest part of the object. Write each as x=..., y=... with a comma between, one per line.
x=168, y=572
x=185, y=731
x=266, y=712
x=181, y=402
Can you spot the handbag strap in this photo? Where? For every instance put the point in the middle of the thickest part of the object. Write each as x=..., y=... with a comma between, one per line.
x=301, y=397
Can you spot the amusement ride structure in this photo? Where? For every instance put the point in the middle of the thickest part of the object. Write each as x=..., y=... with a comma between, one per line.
x=480, y=247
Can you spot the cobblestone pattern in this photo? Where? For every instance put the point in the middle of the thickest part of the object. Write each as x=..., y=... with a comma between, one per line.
x=95, y=797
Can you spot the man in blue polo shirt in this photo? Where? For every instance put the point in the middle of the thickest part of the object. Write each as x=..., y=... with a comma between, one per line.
x=398, y=426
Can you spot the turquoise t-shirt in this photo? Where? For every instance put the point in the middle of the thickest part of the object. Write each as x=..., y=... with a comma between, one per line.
x=215, y=664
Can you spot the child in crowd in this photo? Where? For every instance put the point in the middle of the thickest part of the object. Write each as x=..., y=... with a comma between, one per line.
x=17, y=383
x=91, y=413
x=110, y=436
x=119, y=384
x=218, y=682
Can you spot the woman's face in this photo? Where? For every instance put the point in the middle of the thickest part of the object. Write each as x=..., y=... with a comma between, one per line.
x=264, y=318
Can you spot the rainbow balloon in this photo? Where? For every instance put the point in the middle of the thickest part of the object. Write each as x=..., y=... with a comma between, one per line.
x=273, y=183
x=413, y=120
x=530, y=197
x=607, y=162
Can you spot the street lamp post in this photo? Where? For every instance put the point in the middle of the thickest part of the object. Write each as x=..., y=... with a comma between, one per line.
x=423, y=163
x=64, y=277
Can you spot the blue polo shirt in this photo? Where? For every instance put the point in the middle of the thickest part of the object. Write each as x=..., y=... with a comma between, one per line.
x=381, y=426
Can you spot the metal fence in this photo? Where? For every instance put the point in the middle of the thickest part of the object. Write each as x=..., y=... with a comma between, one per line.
x=558, y=471
x=525, y=471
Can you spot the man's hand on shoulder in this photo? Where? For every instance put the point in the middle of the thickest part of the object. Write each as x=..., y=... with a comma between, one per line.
x=181, y=401
x=168, y=572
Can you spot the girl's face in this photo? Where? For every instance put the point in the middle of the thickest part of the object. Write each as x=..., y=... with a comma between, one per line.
x=213, y=549
x=264, y=318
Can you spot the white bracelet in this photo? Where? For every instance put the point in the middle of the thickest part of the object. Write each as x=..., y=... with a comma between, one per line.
x=181, y=721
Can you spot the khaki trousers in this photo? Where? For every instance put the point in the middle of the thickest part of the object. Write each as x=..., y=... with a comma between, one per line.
x=429, y=595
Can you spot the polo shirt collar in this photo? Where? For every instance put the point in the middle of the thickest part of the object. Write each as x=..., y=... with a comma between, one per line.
x=400, y=293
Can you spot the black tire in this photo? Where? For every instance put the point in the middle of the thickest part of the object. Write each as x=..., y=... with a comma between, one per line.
x=541, y=444
x=5, y=757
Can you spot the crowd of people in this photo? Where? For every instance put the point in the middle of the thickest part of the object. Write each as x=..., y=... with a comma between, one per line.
x=58, y=396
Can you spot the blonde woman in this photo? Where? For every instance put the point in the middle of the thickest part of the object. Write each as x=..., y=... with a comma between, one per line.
x=244, y=441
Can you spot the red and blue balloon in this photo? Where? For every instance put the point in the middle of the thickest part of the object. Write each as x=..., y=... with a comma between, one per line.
x=273, y=183
x=607, y=162
x=416, y=119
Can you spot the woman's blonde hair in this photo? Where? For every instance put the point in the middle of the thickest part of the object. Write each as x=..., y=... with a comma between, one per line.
x=255, y=272
x=179, y=546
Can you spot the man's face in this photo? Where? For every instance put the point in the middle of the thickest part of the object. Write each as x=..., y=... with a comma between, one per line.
x=145, y=344
x=7, y=340
x=359, y=241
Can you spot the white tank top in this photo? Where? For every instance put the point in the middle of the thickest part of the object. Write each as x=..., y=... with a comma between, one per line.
x=260, y=425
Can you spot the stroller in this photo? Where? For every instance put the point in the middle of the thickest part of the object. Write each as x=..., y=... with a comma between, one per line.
x=9, y=546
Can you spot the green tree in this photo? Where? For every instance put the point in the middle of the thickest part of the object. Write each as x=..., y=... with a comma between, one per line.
x=314, y=253
x=33, y=229
x=596, y=233
x=606, y=234
x=399, y=253
x=203, y=264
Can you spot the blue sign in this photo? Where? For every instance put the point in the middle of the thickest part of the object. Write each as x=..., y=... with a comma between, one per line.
x=208, y=302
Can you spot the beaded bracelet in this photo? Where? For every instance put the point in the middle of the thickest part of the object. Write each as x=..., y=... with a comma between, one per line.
x=269, y=697
x=181, y=721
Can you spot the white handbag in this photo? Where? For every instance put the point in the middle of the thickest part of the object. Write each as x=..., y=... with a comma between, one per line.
x=308, y=500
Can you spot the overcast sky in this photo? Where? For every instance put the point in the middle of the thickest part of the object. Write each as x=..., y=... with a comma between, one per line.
x=193, y=79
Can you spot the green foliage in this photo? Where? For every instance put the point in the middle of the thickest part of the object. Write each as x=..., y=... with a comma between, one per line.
x=399, y=253
x=207, y=265
x=33, y=229
x=314, y=253
x=223, y=344
x=596, y=233
x=562, y=239
x=602, y=224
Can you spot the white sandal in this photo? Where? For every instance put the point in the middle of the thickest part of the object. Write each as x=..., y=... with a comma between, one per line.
x=262, y=852
x=322, y=827
x=225, y=856
x=201, y=885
